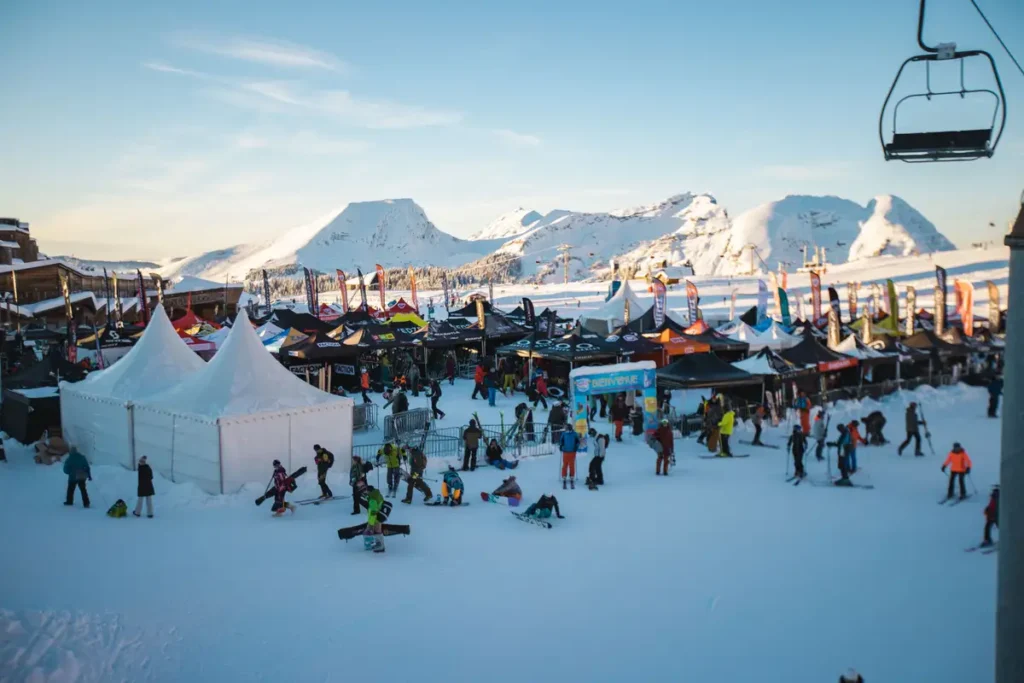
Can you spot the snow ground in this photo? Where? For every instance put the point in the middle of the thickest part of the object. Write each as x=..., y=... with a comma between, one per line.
x=720, y=572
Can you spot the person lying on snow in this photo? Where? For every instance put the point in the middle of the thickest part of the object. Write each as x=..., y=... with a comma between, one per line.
x=509, y=488
x=493, y=455
x=281, y=488
x=451, y=487
x=543, y=507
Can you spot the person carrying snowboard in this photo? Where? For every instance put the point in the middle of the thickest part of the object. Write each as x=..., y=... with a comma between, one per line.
x=758, y=420
x=392, y=455
x=798, y=446
x=855, y=438
x=569, y=443
x=995, y=390
x=959, y=464
x=509, y=489
x=373, y=536
x=77, y=469
x=818, y=434
x=991, y=516
x=543, y=508
x=493, y=456
x=324, y=460
x=435, y=396
x=451, y=487
x=595, y=471
x=357, y=479
x=914, y=425
x=417, y=465
x=619, y=414
x=803, y=405
x=471, y=436
x=725, y=427
x=281, y=483
x=663, y=435
x=145, y=488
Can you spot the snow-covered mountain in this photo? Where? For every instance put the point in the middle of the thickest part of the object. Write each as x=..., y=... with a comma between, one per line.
x=95, y=265
x=392, y=232
x=511, y=224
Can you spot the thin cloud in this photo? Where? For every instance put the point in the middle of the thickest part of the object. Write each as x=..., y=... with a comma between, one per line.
x=302, y=143
x=168, y=69
x=514, y=139
x=264, y=51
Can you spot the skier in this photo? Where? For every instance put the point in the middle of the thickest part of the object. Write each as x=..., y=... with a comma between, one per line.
x=568, y=443
x=392, y=456
x=478, y=382
x=77, y=469
x=873, y=425
x=725, y=431
x=959, y=464
x=991, y=516
x=449, y=368
x=543, y=507
x=364, y=384
x=842, y=445
x=435, y=396
x=995, y=390
x=471, y=436
x=595, y=471
x=541, y=389
x=324, y=460
x=281, y=483
x=373, y=536
x=619, y=414
x=913, y=430
x=798, y=445
x=855, y=438
x=509, y=489
x=451, y=487
x=357, y=479
x=493, y=457
x=417, y=465
x=663, y=435
x=758, y=420
x=818, y=434
x=803, y=404
x=400, y=403
x=145, y=489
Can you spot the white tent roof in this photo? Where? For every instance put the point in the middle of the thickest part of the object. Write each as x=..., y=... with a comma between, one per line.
x=268, y=331
x=756, y=365
x=613, y=311
x=731, y=326
x=217, y=337
x=744, y=332
x=242, y=379
x=158, y=360
x=776, y=338
x=850, y=347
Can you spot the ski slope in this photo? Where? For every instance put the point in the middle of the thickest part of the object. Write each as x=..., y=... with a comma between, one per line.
x=720, y=572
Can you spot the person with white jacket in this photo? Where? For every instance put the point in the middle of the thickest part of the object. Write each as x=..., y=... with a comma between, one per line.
x=818, y=434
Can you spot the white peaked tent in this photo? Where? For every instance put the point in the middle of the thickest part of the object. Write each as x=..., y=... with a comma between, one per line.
x=217, y=337
x=96, y=413
x=612, y=313
x=776, y=338
x=223, y=427
x=731, y=326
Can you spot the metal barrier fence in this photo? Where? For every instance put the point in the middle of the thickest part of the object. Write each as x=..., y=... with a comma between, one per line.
x=397, y=426
x=364, y=416
x=447, y=442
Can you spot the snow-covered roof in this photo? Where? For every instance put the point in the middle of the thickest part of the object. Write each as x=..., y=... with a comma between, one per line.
x=188, y=283
x=9, y=245
x=268, y=331
x=242, y=379
x=850, y=347
x=38, y=392
x=591, y=370
x=157, y=361
x=57, y=302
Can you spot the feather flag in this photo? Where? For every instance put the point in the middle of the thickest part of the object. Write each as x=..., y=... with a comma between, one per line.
x=382, y=287
x=833, y=328
x=775, y=294
x=342, y=289
x=940, y=300
x=993, y=307
x=894, y=306
x=362, y=291
x=911, y=310
x=412, y=286
x=692, y=300
x=659, y=301
x=762, y=301
x=851, y=299
x=965, y=305
x=70, y=316
x=529, y=315
x=310, y=304
x=143, y=304
x=444, y=286
x=783, y=300
x=266, y=292
x=815, y=296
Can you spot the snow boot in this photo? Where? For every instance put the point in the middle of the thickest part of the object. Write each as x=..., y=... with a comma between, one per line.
x=843, y=482
x=564, y=482
x=407, y=501
x=572, y=483
x=137, y=514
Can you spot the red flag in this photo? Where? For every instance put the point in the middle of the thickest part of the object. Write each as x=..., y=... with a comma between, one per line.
x=343, y=290
x=965, y=305
x=815, y=297
x=380, y=286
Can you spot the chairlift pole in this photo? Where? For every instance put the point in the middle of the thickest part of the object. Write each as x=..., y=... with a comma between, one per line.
x=1010, y=588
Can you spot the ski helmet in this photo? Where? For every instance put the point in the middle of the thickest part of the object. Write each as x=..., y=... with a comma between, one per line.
x=316, y=447
x=277, y=463
x=956, y=445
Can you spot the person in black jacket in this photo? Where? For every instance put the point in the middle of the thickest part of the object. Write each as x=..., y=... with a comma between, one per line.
x=798, y=446
x=145, y=488
x=913, y=430
x=435, y=396
x=357, y=478
x=324, y=460
x=556, y=421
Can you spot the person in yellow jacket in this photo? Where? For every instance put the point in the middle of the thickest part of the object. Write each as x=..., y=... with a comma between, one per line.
x=725, y=431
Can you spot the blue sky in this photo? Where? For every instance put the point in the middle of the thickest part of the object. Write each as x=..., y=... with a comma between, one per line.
x=155, y=129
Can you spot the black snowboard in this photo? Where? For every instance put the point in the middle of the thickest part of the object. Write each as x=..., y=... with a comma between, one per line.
x=351, y=532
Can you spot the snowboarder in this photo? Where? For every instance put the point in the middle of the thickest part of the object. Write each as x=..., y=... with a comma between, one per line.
x=145, y=488
x=855, y=438
x=435, y=396
x=991, y=516
x=417, y=465
x=400, y=403
x=959, y=464
x=471, y=436
x=803, y=404
x=995, y=390
x=636, y=415
x=619, y=414
x=543, y=507
x=595, y=471
x=451, y=487
x=324, y=460
x=914, y=424
x=663, y=435
x=818, y=434
x=798, y=446
x=478, y=382
x=357, y=479
x=873, y=425
x=374, y=534
x=842, y=445
x=281, y=485
x=77, y=469
x=758, y=420
x=449, y=368
x=493, y=457
x=568, y=443
x=392, y=455
x=364, y=384
x=509, y=489
x=725, y=427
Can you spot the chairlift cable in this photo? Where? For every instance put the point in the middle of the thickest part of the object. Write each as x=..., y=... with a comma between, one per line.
x=992, y=28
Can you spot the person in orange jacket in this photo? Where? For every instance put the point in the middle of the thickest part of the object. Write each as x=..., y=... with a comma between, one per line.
x=478, y=379
x=364, y=384
x=959, y=464
x=855, y=438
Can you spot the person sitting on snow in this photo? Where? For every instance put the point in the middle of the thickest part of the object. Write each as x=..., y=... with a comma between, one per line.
x=509, y=489
x=543, y=507
x=451, y=487
x=493, y=456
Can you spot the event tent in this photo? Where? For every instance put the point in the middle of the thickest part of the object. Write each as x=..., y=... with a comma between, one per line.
x=377, y=337
x=400, y=307
x=810, y=352
x=223, y=426
x=576, y=346
x=677, y=344
x=768, y=362
x=703, y=370
x=97, y=412
x=612, y=313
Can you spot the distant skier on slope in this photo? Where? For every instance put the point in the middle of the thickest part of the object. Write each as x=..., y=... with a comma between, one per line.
x=619, y=414
x=797, y=446
x=471, y=436
x=435, y=396
x=509, y=489
x=281, y=486
x=995, y=390
x=873, y=425
x=959, y=464
x=757, y=419
x=543, y=507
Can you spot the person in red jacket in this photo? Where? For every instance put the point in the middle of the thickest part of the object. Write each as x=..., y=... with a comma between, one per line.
x=991, y=516
x=449, y=367
x=855, y=439
x=542, y=390
x=959, y=464
x=663, y=434
x=478, y=379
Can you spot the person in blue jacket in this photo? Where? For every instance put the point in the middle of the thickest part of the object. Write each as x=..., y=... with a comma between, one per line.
x=995, y=390
x=842, y=445
x=569, y=443
x=77, y=469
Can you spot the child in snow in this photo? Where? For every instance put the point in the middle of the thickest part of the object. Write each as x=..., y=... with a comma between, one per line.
x=145, y=488
x=509, y=489
x=281, y=487
x=493, y=455
x=542, y=508
x=959, y=464
x=451, y=487
x=991, y=516
x=373, y=536
x=798, y=445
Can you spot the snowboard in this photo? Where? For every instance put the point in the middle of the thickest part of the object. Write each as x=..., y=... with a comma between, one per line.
x=985, y=549
x=348, y=533
x=532, y=520
x=499, y=500
x=440, y=503
x=713, y=441
x=724, y=457
x=760, y=445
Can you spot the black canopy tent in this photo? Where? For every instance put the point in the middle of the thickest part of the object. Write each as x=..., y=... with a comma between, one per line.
x=303, y=322
x=928, y=341
x=319, y=352
x=702, y=370
x=786, y=370
x=439, y=334
x=632, y=343
x=358, y=318
x=830, y=364
x=469, y=310
x=53, y=368
x=723, y=346
x=374, y=337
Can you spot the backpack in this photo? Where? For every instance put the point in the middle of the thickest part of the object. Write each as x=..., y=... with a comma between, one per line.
x=118, y=509
x=330, y=458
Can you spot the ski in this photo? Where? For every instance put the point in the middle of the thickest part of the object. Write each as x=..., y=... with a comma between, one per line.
x=983, y=548
x=761, y=445
x=724, y=457
x=797, y=482
x=953, y=502
x=532, y=520
x=989, y=550
x=499, y=500
x=317, y=501
x=834, y=485
x=792, y=479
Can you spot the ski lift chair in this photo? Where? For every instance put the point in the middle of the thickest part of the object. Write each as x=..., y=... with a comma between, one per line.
x=954, y=145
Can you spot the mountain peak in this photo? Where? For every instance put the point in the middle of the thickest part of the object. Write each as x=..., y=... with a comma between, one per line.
x=508, y=225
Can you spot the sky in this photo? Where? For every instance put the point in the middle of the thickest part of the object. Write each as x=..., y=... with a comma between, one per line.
x=150, y=130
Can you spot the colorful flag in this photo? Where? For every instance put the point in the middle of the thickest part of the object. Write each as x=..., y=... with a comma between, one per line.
x=143, y=304
x=159, y=282
x=529, y=315
x=732, y=305
x=382, y=287
x=444, y=286
x=783, y=300
x=316, y=291
x=894, y=306
x=362, y=291
x=851, y=299
x=99, y=349
x=993, y=307
x=911, y=310
x=106, y=293
x=833, y=328
x=266, y=291
x=310, y=304
x=412, y=287
x=552, y=322
x=762, y=301
x=785, y=278
x=876, y=297
x=865, y=331
x=775, y=294
x=965, y=305
x=659, y=301
x=940, y=299
x=815, y=296
x=692, y=299
x=342, y=289
x=70, y=317
x=625, y=312
x=490, y=291
x=481, y=321
x=833, y=301
x=118, y=311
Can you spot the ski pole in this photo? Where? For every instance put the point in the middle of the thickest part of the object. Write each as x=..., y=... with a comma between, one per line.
x=971, y=479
